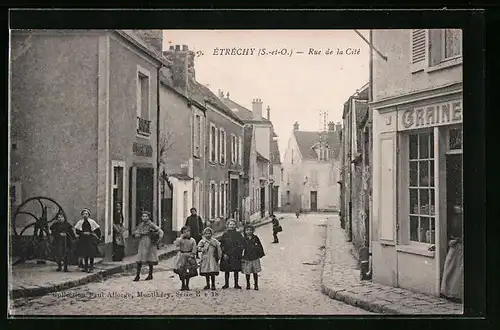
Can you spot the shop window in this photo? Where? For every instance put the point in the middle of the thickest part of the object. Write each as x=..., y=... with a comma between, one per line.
x=455, y=139
x=421, y=188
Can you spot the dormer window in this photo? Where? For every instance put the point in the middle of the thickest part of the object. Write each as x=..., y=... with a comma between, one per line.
x=323, y=152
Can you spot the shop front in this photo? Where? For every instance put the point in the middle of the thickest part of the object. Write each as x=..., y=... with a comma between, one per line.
x=417, y=189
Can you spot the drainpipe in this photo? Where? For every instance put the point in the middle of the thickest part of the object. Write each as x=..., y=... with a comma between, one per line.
x=158, y=144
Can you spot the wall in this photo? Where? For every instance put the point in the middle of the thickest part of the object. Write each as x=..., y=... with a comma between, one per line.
x=423, y=280
x=393, y=77
x=54, y=118
x=262, y=133
x=199, y=164
x=218, y=172
x=124, y=61
x=176, y=125
x=293, y=176
x=325, y=184
x=180, y=209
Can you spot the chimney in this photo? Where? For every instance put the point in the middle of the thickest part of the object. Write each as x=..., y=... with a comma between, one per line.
x=182, y=64
x=154, y=38
x=227, y=95
x=269, y=113
x=221, y=94
x=331, y=126
x=296, y=126
x=257, y=109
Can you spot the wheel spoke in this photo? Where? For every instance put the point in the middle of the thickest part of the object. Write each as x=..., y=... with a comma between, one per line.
x=24, y=229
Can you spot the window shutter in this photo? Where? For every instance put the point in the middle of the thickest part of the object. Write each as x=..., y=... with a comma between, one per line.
x=418, y=49
x=387, y=210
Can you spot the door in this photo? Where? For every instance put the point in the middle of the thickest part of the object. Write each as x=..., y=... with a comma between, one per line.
x=275, y=199
x=234, y=198
x=314, y=201
x=144, y=192
x=453, y=185
x=262, y=202
x=166, y=211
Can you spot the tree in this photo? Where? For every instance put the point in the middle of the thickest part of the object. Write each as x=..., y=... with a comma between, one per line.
x=167, y=140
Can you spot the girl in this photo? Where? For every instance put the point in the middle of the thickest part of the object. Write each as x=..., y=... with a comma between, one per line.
x=232, y=249
x=89, y=234
x=210, y=256
x=452, y=281
x=276, y=228
x=185, y=266
x=253, y=251
x=63, y=235
x=118, y=234
x=149, y=234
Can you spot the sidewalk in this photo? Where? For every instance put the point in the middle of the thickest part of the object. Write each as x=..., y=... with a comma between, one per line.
x=341, y=281
x=31, y=280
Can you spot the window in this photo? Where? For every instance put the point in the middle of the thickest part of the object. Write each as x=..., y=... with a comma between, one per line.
x=143, y=96
x=212, y=200
x=223, y=198
x=233, y=149
x=444, y=45
x=222, y=146
x=197, y=136
x=455, y=139
x=217, y=201
x=213, y=132
x=421, y=188
x=288, y=197
x=240, y=151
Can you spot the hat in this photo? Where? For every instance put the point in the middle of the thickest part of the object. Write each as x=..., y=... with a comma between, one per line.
x=208, y=230
x=229, y=221
x=86, y=209
x=146, y=212
x=248, y=226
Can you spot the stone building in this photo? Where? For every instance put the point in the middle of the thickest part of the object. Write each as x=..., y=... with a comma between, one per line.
x=311, y=170
x=83, y=110
x=259, y=158
x=355, y=173
x=417, y=153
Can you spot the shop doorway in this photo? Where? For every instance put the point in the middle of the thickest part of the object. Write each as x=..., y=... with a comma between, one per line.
x=144, y=192
x=454, y=185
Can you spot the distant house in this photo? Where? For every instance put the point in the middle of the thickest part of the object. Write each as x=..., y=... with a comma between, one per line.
x=259, y=158
x=311, y=170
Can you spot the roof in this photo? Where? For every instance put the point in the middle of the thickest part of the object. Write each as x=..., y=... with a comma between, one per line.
x=132, y=36
x=198, y=91
x=242, y=112
x=275, y=153
x=363, y=94
x=306, y=141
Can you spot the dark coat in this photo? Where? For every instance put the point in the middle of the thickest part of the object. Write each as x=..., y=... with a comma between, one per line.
x=252, y=248
x=276, y=225
x=231, y=245
x=62, y=244
x=196, y=224
x=88, y=244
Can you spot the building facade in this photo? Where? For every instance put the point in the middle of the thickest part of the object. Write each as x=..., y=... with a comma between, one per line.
x=417, y=154
x=259, y=134
x=81, y=132
x=355, y=173
x=311, y=170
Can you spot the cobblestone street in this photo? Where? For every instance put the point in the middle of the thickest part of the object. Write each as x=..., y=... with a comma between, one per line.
x=289, y=284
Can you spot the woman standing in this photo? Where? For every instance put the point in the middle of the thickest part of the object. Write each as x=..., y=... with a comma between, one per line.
x=89, y=235
x=63, y=235
x=453, y=273
x=232, y=250
x=118, y=234
x=149, y=234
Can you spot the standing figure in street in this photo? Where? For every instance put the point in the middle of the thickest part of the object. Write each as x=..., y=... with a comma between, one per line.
x=211, y=253
x=195, y=223
x=186, y=265
x=452, y=287
x=252, y=252
x=63, y=235
x=118, y=234
x=276, y=228
x=89, y=234
x=150, y=234
x=297, y=213
x=232, y=250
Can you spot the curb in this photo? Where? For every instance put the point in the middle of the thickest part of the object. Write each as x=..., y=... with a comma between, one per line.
x=97, y=276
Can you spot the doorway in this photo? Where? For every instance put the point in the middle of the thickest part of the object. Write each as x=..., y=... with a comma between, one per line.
x=262, y=202
x=166, y=211
x=314, y=201
x=454, y=185
x=234, y=199
x=144, y=191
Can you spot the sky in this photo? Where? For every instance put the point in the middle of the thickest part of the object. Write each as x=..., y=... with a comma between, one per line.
x=296, y=87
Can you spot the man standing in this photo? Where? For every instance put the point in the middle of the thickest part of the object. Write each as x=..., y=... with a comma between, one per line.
x=196, y=224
